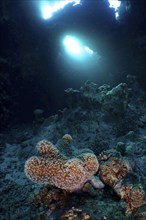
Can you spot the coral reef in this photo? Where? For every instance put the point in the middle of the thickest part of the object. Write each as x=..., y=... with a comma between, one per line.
x=56, y=199
x=117, y=139
x=113, y=100
x=55, y=169
x=112, y=171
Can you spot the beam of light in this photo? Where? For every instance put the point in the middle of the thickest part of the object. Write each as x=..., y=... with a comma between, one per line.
x=88, y=50
x=78, y=50
x=115, y=4
x=78, y=56
x=72, y=45
x=48, y=8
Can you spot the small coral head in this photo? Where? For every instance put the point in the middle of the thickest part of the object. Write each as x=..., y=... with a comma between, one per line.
x=67, y=138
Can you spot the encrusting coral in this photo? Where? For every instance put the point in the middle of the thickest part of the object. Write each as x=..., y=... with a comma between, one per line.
x=73, y=174
x=134, y=196
x=53, y=168
x=114, y=170
x=51, y=198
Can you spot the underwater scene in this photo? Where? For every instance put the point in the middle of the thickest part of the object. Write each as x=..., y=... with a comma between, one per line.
x=73, y=110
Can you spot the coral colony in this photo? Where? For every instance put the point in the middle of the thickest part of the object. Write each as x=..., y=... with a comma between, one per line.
x=53, y=168
x=68, y=170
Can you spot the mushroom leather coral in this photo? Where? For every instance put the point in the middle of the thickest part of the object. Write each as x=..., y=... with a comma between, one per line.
x=52, y=168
